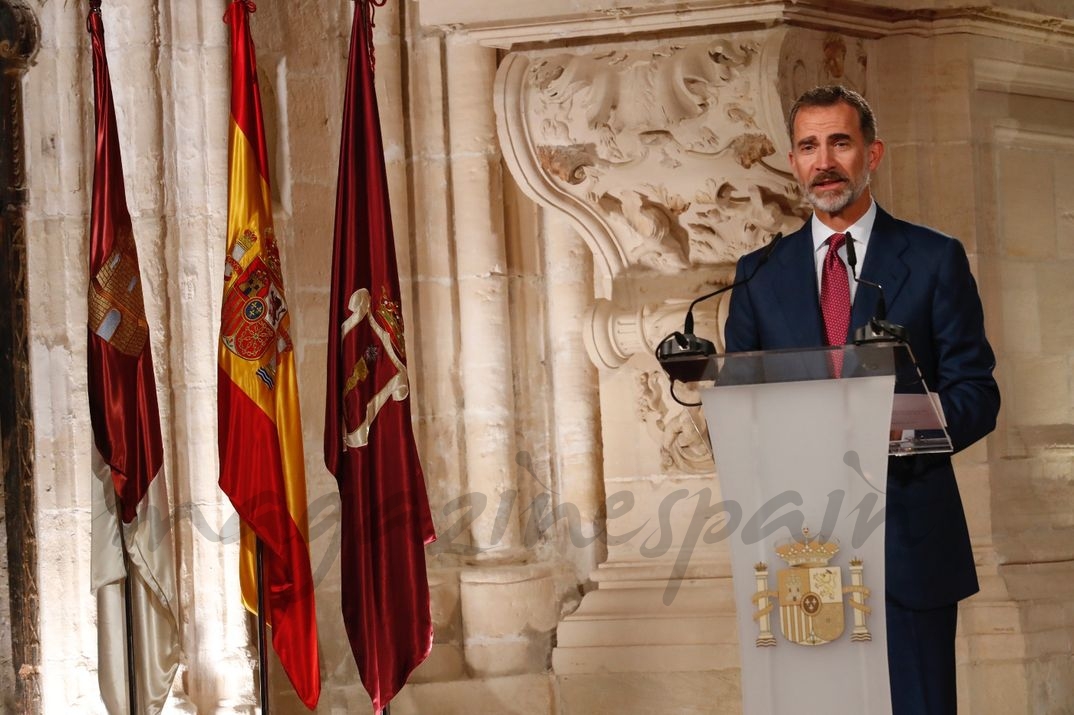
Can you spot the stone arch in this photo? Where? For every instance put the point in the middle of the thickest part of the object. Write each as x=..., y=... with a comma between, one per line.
x=19, y=657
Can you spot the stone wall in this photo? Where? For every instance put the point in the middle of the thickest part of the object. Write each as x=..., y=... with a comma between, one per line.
x=500, y=417
x=549, y=232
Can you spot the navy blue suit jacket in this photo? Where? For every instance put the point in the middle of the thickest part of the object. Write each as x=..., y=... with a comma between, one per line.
x=929, y=290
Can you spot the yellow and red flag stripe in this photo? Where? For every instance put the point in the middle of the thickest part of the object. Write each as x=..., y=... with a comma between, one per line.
x=261, y=460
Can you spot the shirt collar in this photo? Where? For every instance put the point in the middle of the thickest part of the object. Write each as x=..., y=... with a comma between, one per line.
x=860, y=230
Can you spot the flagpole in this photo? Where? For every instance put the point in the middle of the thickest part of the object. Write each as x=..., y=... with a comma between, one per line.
x=258, y=394
x=394, y=615
x=262, y=654
x=128, y=592
x=128, y=612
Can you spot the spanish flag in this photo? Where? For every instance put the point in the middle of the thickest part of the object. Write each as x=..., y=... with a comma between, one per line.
x=261, y=461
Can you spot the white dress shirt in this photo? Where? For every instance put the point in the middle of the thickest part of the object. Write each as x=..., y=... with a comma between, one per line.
x=859, y=231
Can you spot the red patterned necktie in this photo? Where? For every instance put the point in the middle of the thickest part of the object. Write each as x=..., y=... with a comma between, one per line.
x=835, y=298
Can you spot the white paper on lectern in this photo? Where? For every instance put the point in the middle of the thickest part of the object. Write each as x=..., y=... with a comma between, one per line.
x=795, y=436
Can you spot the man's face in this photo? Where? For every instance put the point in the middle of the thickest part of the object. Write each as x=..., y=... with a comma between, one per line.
x=831, y=160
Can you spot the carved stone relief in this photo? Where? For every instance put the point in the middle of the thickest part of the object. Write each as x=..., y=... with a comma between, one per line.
x=810, y=58
x=670, y=156
x=680, y=431
x=666, y=147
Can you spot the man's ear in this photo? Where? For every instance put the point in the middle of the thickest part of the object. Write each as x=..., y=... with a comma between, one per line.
x=876, y=153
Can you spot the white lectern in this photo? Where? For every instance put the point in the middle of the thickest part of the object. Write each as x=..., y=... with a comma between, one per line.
x=804, y=456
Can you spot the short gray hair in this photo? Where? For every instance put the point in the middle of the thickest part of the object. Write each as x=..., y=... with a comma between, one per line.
x=831, y=95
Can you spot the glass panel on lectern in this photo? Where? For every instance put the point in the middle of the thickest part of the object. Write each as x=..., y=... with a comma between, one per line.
x=917, y=422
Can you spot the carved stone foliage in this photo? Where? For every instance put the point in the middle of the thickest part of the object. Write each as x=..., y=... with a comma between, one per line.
x=680, y=431
x=668, y=146
x=810, y=58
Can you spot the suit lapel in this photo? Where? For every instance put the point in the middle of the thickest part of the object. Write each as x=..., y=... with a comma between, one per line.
x=798, y=276
x=883, y=265
x=800, y=303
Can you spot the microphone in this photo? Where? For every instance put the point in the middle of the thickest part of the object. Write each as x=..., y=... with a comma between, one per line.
x=878, y=328
x=680, y=347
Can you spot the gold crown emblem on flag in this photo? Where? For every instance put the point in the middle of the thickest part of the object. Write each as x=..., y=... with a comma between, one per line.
x=808, y=550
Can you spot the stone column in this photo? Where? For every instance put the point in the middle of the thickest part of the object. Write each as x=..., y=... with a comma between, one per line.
x=219, y=666
x=481, y=266
x=504, y=616
x=59, y=146
x=568, y=269
x=434, y=334
x=433, y=340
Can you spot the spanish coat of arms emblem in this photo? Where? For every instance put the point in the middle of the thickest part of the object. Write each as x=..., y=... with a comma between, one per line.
x=253, y=324
x=810, y=595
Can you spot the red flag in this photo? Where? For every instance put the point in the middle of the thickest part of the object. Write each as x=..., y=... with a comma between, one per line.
x=368, y=438
x=130, y=497
x=261, y=463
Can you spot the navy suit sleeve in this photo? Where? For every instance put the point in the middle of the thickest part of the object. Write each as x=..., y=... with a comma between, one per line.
x=964, y=359
x=740, y=333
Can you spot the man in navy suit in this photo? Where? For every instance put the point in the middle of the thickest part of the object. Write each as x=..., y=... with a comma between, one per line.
x=929, y=289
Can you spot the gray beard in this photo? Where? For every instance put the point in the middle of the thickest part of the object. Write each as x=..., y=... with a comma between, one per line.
x=834, y=203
